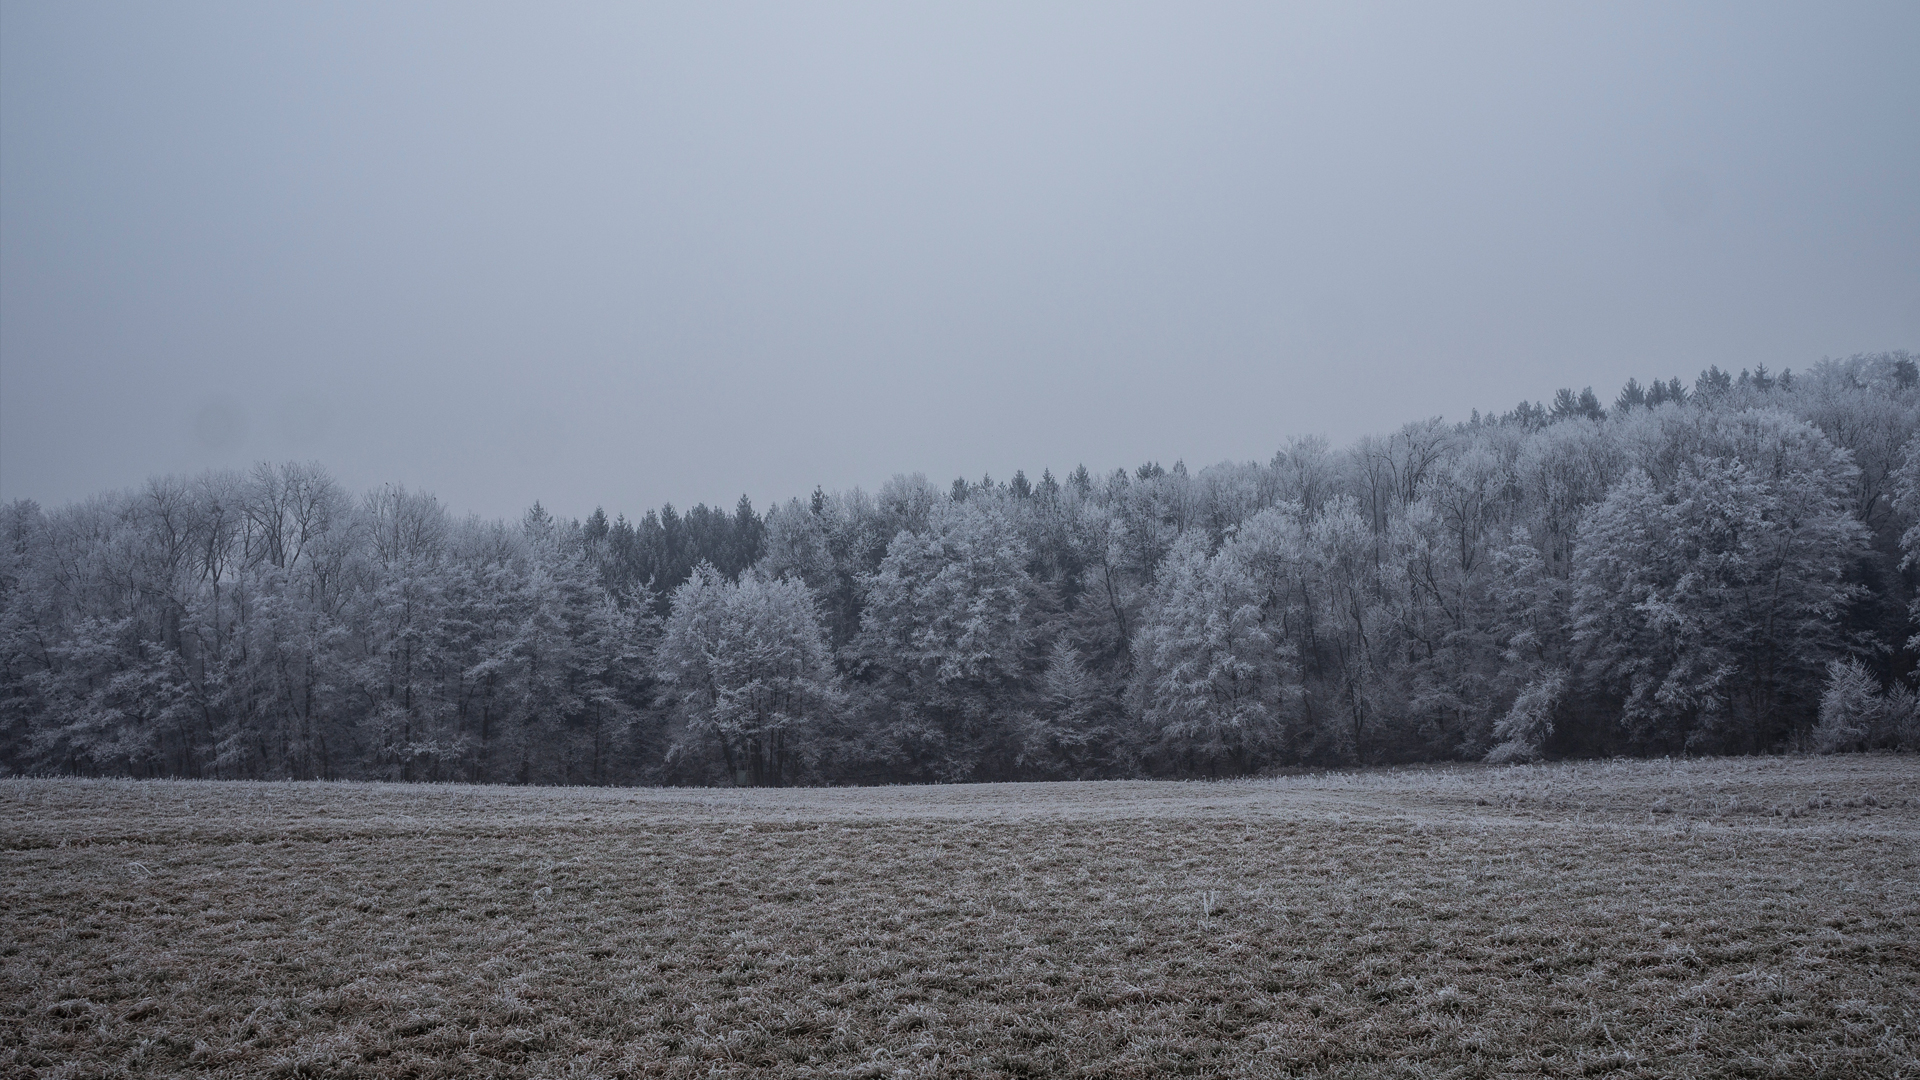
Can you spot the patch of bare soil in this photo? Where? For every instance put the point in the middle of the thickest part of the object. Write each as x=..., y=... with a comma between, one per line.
x=1752, y=917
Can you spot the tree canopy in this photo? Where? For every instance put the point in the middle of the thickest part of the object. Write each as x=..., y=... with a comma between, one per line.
x=1722, y=566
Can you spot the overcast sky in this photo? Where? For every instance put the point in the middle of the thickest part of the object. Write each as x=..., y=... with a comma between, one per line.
x=630, y=254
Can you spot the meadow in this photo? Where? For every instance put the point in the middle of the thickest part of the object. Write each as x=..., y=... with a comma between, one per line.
x=1718, y=917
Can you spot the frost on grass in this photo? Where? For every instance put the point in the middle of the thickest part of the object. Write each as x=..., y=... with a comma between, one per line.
x=1700, y=918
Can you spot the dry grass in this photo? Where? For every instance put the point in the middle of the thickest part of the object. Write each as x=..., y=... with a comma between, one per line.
x=1752, y=917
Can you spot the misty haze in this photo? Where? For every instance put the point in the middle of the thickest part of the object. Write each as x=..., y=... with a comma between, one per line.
x=959, y=541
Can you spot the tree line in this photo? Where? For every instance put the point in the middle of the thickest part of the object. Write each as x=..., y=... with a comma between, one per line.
x=1726, y=567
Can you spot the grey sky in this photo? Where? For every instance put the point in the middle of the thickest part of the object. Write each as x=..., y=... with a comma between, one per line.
x=626, y=255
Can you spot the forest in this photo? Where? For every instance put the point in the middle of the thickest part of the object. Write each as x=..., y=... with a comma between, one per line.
x=1725, y=567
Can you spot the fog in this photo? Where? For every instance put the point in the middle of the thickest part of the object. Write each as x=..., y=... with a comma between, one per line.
x=617, y=256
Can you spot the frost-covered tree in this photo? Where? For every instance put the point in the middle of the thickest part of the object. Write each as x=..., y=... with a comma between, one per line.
x=747, y=664
x=944, y=642
x=831, y=542
x=1072, y=729
x=1535, y=649
x=1559, y=473
x=1356, y=639
x=570, y=659
x=1907, y=504
x=1446, y=603
x=400, y=607
x=1210, y=676
x=1708, y=588
x=1855, y=714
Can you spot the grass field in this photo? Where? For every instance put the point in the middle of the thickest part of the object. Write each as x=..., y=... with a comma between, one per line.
x=1753, y=917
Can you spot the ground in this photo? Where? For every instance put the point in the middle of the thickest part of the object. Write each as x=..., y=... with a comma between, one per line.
x=1744, y=917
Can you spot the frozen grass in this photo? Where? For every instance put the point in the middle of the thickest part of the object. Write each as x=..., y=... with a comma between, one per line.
x=1756, y=917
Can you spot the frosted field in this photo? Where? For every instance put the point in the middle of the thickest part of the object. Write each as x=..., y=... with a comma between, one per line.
x=1748, y=917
